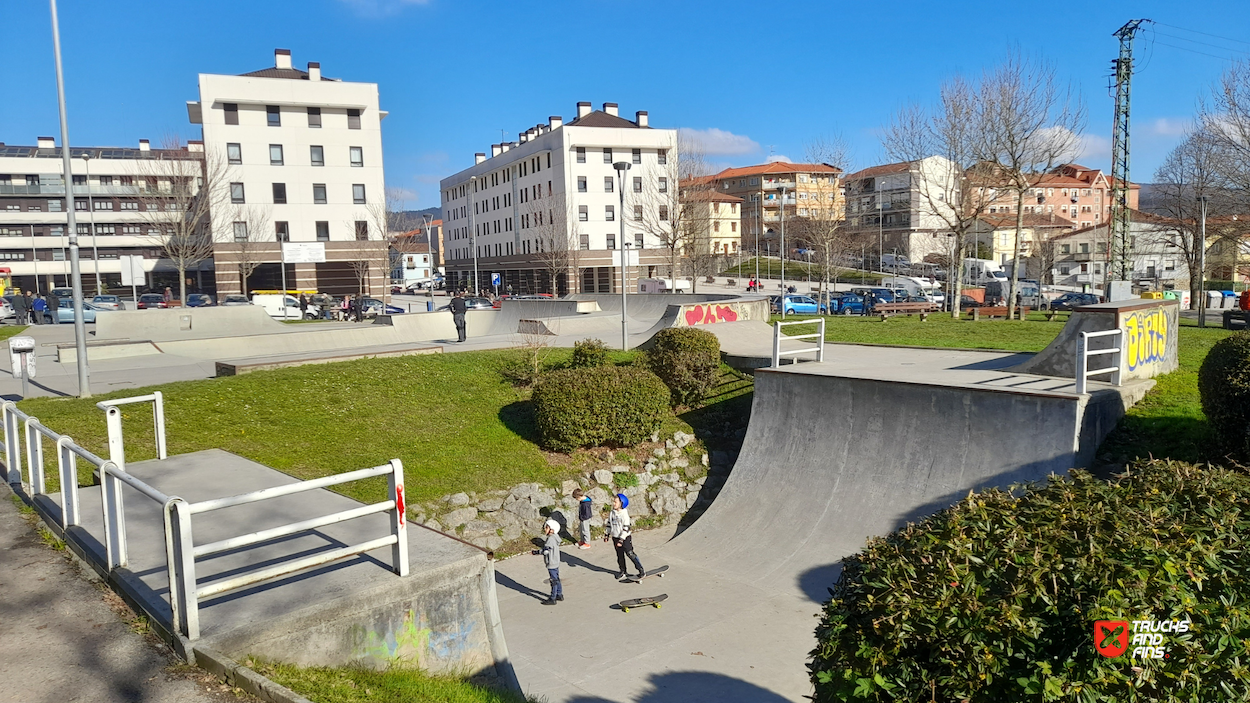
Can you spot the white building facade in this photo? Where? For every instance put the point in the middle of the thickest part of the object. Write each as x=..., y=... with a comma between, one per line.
x=304, y=157
x=547, y=210
x=906, y=203
x=113, y=188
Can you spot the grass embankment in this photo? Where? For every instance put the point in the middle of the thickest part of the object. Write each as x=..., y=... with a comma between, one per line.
x=11, y=331
x=355, y=685
x=1167, y=423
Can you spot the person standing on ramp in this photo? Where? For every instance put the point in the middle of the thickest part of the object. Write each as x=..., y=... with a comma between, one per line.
x=619, y=531
x=458, y=309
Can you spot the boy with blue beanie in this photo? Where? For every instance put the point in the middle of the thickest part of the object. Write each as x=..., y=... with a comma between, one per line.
x=619, y=531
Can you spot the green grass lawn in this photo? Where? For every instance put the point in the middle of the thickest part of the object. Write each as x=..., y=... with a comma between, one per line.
x=11, y=331
x=355, y=685
x=1032, y=334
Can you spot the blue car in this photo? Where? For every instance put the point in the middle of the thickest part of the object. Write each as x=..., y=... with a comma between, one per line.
x=800, y=304
x=65, y=313
x=846, y=304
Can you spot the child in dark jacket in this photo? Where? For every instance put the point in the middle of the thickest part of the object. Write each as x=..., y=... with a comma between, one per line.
x=585, y=511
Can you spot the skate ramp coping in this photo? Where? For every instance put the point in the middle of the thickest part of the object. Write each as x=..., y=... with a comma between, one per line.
x=1148, y=340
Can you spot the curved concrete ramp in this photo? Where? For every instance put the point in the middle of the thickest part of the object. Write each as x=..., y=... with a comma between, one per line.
x=1150, y=334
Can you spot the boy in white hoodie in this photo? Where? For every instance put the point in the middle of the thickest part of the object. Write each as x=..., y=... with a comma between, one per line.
x=619, y=531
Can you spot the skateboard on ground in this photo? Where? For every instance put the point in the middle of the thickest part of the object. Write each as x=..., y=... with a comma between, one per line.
x=653, y=601
x=657, y=571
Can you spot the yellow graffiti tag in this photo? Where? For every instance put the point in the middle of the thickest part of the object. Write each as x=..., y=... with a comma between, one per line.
x=1145, y=337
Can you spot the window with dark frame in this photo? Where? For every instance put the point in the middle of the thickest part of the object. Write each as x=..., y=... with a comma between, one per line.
x=583, y=214
x=353, y=119
x=279, y=194
x=273, y=115
x=236, y=193
x=323, y=231
x=611, y=241
x=637, y=156
x=608, y=184
x=662, y=156
x=317, y=155
x=358, y=193
x=607, y=155
x=663, y=184
x=282, y=231
x=362, y=230
x=581, y=184
x=356, y=155
x=240, y=231
x=663, y=213
x=275, y=154
x=637, y=184
x=609, y=213
x=637, y=213
x=581, y=154
x=234, y=154
x=319, y=193
x=637, y=240
x=584, y=241
x=314, y=117
x=232, y=112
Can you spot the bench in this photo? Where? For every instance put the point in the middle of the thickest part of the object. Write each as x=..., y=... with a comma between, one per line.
x=887, y=310
x=998, y=311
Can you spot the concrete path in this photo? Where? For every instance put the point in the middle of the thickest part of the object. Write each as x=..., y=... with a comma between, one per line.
x=64, y=639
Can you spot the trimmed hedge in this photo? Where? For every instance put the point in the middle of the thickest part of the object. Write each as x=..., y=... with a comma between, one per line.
x=589, y=353
x=1224, y=384
x=599, y=406
x=995, y=599
x=688, y=361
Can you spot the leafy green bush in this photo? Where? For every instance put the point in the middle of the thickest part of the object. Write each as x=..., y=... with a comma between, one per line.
x=589, y=353
x=625, y=480
x=995, y=599
x=604, y=405
x=688, y=361
x=1224, y=384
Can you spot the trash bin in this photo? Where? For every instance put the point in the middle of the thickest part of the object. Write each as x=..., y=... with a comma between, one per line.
x=1215, y=299
x=1170, y=295
x=429, y=306
x=1230, y=299
x=1243, y=302
x=1152, y=295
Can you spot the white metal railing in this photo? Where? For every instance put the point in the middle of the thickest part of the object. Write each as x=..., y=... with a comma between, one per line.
x=180, y=550
x=1083, y=352
x=185, y=593
x=819, y=335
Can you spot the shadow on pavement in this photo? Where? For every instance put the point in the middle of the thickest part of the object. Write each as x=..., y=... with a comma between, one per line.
x=693, y=686
x=817, y=582
x=512, y=585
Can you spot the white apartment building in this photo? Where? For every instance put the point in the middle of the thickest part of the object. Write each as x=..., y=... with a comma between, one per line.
x=546, y=206
x=113, y=189
x=304, y=154
x=899, y=207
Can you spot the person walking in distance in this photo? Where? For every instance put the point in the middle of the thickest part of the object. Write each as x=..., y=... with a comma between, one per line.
x=20, y=307
x=38, y=307
x=585, y=511
x=551, y=558
x=620, y=532
x=458, y=309
x=53, y=304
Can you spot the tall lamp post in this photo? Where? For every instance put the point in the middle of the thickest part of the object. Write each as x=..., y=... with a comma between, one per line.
x=1202, y=263
x=429, y=255
x=621, y=167
x=95, y=250
x=759, y=224
x=473, y=228
x=80, y=330
x=783, y=252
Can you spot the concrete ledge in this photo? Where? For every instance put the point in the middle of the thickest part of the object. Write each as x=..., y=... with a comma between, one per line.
x=101, y=350
x=237, y=367
x=239, y=676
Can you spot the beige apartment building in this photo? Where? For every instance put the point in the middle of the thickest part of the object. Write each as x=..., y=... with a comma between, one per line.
x=801, y=190
x=1070, y=191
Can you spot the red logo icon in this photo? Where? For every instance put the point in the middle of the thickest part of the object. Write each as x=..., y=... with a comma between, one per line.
x=1111, y=637
x=399, y=502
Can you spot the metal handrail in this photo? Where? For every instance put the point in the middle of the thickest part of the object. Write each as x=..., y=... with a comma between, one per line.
x=819, y=335
x=117, y=445
x=1083, y=352
x=205, y=506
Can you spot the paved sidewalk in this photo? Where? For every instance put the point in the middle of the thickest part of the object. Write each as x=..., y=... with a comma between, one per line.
x=62, y=637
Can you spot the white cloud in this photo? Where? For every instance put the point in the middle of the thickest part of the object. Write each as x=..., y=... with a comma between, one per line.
x=718, y=142
x=779, y=157
x=1094, y=148
x=404, y=195
x=381, y=8
x=1168, y=127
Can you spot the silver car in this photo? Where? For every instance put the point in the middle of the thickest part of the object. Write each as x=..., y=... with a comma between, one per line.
x=108, y=302
x=6, y=311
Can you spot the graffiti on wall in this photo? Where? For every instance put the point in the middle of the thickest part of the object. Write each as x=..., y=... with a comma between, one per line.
x=405, y=644
x=711, y=313
x=1145, y=338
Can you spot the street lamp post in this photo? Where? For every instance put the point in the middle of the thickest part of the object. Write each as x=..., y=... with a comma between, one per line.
x=80, y=330
x=621, y=167
x=759, y=224
x=429, y=256
x=95, y=250
x=1202, y=264
x=783, y=252
x=880, y=233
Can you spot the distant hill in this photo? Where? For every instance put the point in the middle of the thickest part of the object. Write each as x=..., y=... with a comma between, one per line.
x=1148, y=197
x=412, y=219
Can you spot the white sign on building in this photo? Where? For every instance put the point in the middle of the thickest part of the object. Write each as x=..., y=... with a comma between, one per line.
x=304, y=252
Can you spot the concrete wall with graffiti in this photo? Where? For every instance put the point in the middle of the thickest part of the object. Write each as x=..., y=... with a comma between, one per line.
x=1149, y=341
x=697, y=314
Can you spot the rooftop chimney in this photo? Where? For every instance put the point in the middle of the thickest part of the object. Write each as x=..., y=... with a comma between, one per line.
x=145, y=145
x=479, y=157
x=555, y=122
x=583, y=109
x=495, y=150
x=540, y=129
x=46, y=143
x=505, y=147
x=522, y=137
x=282, y=58
x=314, y=71
x=641, y=119
x=610, y=108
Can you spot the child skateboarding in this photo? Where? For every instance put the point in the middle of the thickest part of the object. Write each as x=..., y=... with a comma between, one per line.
x=585, y=511
x=619, y=531
x=551, y=557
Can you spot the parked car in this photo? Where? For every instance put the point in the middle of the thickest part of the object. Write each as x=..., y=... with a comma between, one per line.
x=65, y=313
x=6, y=310
x=880, y=295
x=473, y=304
x=373, y=306
x=846, y=304
x=529, y=296
x=967, y=301
x=200, y=300
x=284, y=307
x=796, y=304
x=108, y=302
x=63, y=293
x=151, y=301
x=1068, y=301
x=235, y=299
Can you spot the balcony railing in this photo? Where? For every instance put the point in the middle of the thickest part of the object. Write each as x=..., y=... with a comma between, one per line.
x=81, y=190
x=32, y=190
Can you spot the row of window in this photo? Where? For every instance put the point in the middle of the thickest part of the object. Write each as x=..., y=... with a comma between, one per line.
x=238, y=195
x=534, y=246
x=534, y=164
x=609, y=184
x=608, y=155
x=316, y=155
x=609, y=213
x=282, y=231
x=273, y=116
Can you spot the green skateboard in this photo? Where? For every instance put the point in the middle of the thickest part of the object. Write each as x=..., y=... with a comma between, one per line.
x=653, y=601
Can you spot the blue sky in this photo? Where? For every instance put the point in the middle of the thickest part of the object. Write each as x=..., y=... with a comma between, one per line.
x=757, y=79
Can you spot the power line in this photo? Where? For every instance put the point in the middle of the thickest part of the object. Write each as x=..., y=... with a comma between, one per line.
x=1201, y=43
x=1194, y=51
x=1208, y=34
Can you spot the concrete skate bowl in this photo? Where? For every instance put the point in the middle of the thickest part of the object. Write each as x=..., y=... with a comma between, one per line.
x=830, y=460
x=1149, y=339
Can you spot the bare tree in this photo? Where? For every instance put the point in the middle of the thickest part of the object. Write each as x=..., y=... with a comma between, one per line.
x=556, y=237
x=676, y=203
x=371, y=225
x=248, y=231
x=1029, y=124
x=398, y=230
x=181, y=191
x=1225, y=120
x=949, y=136
x=823, y=228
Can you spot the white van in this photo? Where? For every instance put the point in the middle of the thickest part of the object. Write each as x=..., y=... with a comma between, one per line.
x=273, y=304
x=915, y=287
x=978, y=272
x=661, y=285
